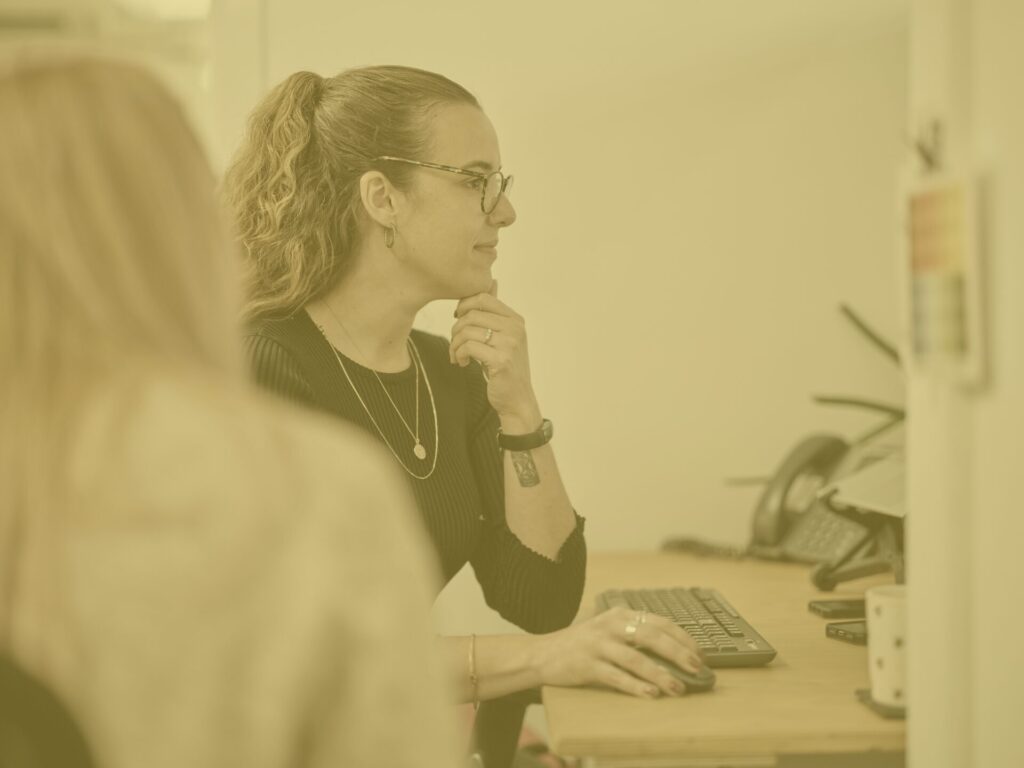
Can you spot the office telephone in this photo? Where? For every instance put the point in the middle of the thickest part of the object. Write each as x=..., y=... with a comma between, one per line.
x=795, y=518
x=791, y=522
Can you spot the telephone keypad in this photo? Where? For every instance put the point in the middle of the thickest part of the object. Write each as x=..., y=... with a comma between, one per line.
x=822, y=536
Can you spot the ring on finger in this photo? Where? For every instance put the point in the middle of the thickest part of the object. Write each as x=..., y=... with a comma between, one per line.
x=487, y=336
x=631, y=628
x=642, y=618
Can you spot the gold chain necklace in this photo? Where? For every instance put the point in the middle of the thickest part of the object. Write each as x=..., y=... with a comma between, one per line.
x=418, y=450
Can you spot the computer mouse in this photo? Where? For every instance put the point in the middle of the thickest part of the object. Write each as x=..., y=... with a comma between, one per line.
x=704, y=680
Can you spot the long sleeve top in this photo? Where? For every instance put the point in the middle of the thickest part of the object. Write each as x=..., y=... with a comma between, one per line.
x=462, y=501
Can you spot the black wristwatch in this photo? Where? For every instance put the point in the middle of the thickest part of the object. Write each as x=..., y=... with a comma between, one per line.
x=540, y=436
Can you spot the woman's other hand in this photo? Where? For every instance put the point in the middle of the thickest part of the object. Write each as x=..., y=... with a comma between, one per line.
x=605, y=651
x=492, y=333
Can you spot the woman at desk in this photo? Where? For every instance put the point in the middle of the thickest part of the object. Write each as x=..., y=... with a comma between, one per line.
x=359, y=199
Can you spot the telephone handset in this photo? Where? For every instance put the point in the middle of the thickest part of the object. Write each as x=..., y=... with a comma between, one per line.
x=790, y=523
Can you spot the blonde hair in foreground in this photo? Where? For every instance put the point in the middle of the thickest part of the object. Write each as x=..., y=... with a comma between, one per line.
x=113, y=267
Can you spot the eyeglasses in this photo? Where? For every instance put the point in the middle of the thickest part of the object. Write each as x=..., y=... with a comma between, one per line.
x=495, y=184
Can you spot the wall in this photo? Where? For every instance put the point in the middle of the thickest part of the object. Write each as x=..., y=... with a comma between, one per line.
x=697, y=189
x=694, y=199
x=997, y=683
x=699, y=185
x=170, y=37
x=965, y=528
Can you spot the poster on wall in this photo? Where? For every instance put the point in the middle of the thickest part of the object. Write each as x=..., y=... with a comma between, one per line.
x=942, y=278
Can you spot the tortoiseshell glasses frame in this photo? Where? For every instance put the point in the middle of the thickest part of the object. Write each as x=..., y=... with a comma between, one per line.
x=495, y=183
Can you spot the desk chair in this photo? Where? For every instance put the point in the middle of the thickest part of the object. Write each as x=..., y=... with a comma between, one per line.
x=36, y=730
x=497, y=727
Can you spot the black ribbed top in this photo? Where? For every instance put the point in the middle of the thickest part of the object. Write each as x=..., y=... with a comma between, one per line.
x=462, y=502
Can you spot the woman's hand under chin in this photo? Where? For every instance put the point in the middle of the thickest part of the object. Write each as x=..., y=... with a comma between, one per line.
x=492, y=333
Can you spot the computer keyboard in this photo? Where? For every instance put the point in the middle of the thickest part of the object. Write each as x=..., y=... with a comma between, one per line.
x=725, y=638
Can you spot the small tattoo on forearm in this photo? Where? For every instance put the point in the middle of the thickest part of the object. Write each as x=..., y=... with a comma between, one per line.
x=526, y=470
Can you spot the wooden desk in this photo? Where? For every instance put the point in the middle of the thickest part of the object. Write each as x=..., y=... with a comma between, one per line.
x=801, y=703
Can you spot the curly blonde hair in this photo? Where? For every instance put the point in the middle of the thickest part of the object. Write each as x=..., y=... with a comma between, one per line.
x=294, y=183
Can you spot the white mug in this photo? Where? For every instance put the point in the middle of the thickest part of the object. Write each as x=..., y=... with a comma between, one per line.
x=887, y=644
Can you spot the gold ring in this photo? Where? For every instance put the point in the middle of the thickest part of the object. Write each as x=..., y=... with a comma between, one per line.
x=487, y=336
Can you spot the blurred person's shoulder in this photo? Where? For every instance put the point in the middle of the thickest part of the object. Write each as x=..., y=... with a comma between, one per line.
x=256, y=528
x=179, y=447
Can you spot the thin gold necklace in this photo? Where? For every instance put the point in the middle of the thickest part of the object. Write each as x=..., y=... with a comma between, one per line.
x=418, y=450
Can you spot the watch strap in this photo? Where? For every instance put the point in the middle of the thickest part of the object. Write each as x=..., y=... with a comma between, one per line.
x=540, y=436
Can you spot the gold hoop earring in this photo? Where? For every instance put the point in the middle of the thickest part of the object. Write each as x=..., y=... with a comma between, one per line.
x=389, y=237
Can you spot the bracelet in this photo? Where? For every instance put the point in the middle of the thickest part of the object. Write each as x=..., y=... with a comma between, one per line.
x=474, y=681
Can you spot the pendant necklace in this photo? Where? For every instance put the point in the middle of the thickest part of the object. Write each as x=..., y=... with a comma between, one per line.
x=418, y=450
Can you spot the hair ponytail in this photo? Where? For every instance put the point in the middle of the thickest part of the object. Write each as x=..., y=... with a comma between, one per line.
x=265, y=187
x=294, y=184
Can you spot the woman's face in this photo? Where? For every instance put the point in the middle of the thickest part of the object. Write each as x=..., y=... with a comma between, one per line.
x=447, y=240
